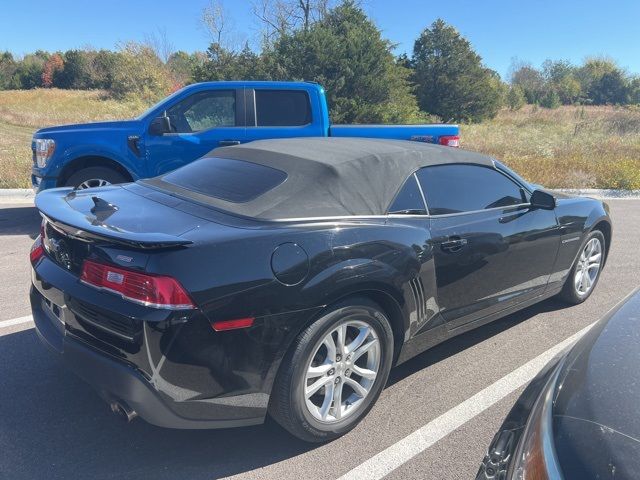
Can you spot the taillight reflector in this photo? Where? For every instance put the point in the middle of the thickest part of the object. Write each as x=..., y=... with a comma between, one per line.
x=232, y=324
x=450, y=140
x=150, y=290
x=37, y=251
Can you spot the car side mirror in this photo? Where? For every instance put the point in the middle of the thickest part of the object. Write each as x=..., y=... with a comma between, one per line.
x=160, y=125
x=543, y=200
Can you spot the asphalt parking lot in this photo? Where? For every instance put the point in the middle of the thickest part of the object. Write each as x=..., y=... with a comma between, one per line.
x=53, y=426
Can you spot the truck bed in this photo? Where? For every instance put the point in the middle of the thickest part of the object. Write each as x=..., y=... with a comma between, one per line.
x=430, y=133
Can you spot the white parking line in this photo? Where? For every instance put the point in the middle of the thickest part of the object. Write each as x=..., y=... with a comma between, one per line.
x=417, y=442
x=16, y=321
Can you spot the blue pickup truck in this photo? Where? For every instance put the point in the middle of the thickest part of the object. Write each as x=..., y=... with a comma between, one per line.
x=190, y=123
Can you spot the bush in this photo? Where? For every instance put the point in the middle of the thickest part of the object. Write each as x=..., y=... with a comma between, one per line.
x=138, y=72
x=516, y=98
x=550, y=100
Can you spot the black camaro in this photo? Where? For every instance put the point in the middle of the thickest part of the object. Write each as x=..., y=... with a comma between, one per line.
x=288, y=276
x=578, y=419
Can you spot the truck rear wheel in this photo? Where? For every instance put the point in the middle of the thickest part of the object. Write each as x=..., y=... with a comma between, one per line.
x=94, y=177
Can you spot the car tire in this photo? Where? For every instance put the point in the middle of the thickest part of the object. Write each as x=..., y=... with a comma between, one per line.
x=571, y=293
x=94, y=177
x=302, y=414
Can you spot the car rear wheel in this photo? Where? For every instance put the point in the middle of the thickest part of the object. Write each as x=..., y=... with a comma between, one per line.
x=586, y=270
x=334, y=372
x=94, y=177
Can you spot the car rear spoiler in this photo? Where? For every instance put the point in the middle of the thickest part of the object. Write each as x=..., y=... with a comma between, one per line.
x=54, y=208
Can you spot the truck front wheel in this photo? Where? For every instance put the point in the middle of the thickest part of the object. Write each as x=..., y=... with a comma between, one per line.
x=94, y=177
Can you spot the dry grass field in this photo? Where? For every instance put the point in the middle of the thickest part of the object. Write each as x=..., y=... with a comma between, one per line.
x=571, y=147
x=22, y=112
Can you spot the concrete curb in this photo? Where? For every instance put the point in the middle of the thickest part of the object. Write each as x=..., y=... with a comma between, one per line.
x=606, y=193
x=16, y=195
x=26, y=195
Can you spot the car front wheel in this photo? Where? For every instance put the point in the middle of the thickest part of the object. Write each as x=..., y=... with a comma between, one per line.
x=586, y=270
x=94, y=177
x=334, y=372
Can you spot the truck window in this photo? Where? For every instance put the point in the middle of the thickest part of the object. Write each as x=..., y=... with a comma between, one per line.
x=203, y=111
x=282, y=108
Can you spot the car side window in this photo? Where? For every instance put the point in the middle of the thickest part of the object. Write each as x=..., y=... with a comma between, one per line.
x=464, y=188
x=203, y=111
x=409, y=199
x=282, y=108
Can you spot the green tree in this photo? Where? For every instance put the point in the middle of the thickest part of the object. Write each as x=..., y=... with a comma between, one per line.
x=530, y=80
x=603, y=81
x=452, y=82
x=515, y=97
x=550, y=100
x=634, y=91
x=345, y=52
x=138, y=73
x=76, y=70
x=610, y=88
x=28, y=73
x=560, y=76
x=182, y=65
x=225, y=64
x=8, y=68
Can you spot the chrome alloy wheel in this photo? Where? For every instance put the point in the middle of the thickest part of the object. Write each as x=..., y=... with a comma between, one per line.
x=92, y=183
x=588, y=267
x=342, y=371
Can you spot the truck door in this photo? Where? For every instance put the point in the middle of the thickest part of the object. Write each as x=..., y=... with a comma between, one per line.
x=281, y=113
x=204, y=120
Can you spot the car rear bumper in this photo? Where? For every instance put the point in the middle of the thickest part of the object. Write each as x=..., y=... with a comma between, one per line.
x=156, y=398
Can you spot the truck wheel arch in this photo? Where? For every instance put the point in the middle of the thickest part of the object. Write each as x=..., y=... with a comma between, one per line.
x=80, y=163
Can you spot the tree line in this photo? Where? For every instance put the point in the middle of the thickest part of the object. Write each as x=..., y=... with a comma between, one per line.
x=341, y=48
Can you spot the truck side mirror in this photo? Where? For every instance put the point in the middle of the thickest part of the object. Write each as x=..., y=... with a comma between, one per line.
x=542, y=200
x=160, y=125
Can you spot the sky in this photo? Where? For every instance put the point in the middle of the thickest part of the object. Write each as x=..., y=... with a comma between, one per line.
x=499, y=30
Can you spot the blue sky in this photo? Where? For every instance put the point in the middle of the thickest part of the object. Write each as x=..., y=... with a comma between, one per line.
x=499, y=30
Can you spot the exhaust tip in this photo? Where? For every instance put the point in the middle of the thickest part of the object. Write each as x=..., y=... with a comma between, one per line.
x=123, y=411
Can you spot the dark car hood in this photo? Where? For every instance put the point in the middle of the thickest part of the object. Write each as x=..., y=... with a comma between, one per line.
x=93, y=127
x=596, y=418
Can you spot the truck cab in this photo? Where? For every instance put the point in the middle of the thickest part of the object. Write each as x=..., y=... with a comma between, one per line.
x=191, y=122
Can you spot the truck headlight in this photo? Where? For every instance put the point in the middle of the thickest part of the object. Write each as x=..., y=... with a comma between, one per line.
x=44, y=150
x=535, y=457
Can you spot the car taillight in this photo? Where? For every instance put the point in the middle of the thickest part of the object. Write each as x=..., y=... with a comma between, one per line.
x=450, y=140
x=155, y=291
x=37, y=251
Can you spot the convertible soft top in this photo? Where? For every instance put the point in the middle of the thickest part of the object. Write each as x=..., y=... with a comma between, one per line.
x=329, y=176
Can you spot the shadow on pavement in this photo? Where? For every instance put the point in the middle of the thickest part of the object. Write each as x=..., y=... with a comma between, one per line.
x=54, y=425
x=19, y=221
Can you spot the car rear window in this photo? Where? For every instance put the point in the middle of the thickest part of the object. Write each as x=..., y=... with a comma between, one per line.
x=234, y=181
x=282, y=108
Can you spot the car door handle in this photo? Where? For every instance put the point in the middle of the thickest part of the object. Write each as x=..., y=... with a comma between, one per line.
x=453, y=244
x=228, y=143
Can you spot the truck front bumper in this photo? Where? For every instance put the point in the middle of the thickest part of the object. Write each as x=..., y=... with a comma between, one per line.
x=39, y=183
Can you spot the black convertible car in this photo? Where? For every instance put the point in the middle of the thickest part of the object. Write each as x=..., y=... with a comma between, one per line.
x=578, y=419
x=288, y=276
